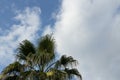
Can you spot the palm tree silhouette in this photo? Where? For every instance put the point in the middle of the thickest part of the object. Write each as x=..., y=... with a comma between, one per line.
x=39, y=63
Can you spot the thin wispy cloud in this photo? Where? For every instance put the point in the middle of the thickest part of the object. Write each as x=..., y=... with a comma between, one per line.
x=28, y=25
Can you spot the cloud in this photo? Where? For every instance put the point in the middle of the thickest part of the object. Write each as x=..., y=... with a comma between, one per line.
x=48, y=30
x=27, y=27
x=89, y=30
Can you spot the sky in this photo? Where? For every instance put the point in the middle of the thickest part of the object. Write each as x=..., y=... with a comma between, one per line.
x=88, y=30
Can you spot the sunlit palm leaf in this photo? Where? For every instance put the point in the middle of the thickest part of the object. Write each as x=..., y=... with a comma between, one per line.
x=55, y=74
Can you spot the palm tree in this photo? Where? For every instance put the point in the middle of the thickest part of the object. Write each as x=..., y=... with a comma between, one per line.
x=39, y=63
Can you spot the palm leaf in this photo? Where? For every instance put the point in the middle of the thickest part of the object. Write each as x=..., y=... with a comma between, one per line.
x=72, y=72
x=55, y=74
x=15, y=77
x=14, y=67
x=25, y=48
x=66, y=61
x=47, y=45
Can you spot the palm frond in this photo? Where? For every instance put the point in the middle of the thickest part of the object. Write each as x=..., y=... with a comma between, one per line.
x=47, y=45
x=14, y=67
x=66, y=61
x=24, y=49
x=15, y=77
x=28, y=74
x=55, y=74
x=72, y=72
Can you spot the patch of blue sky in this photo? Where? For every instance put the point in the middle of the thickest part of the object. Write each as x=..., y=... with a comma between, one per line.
x=8, y=11
x=116, y=12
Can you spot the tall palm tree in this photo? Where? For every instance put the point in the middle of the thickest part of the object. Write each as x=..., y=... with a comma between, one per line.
x=39, y=63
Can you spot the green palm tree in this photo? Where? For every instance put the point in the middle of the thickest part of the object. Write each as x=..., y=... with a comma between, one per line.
x=39, y=63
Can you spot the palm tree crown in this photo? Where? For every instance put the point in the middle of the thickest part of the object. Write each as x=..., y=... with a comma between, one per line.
x=39, y=63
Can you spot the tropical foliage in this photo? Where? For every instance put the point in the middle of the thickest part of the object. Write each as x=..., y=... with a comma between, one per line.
x=40, y=63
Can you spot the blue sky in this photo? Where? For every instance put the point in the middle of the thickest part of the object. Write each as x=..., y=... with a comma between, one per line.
x=89, y=30
x=8, y=10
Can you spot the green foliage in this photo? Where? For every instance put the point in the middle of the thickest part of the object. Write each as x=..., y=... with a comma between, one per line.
x=14, y=67
x=38, y=63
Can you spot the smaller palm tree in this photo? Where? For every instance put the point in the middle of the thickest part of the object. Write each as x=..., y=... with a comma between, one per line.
x=39, y=63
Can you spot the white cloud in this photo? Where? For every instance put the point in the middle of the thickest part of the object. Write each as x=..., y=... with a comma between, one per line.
x=89, y=30
x=29, y=24
x=48, y=30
